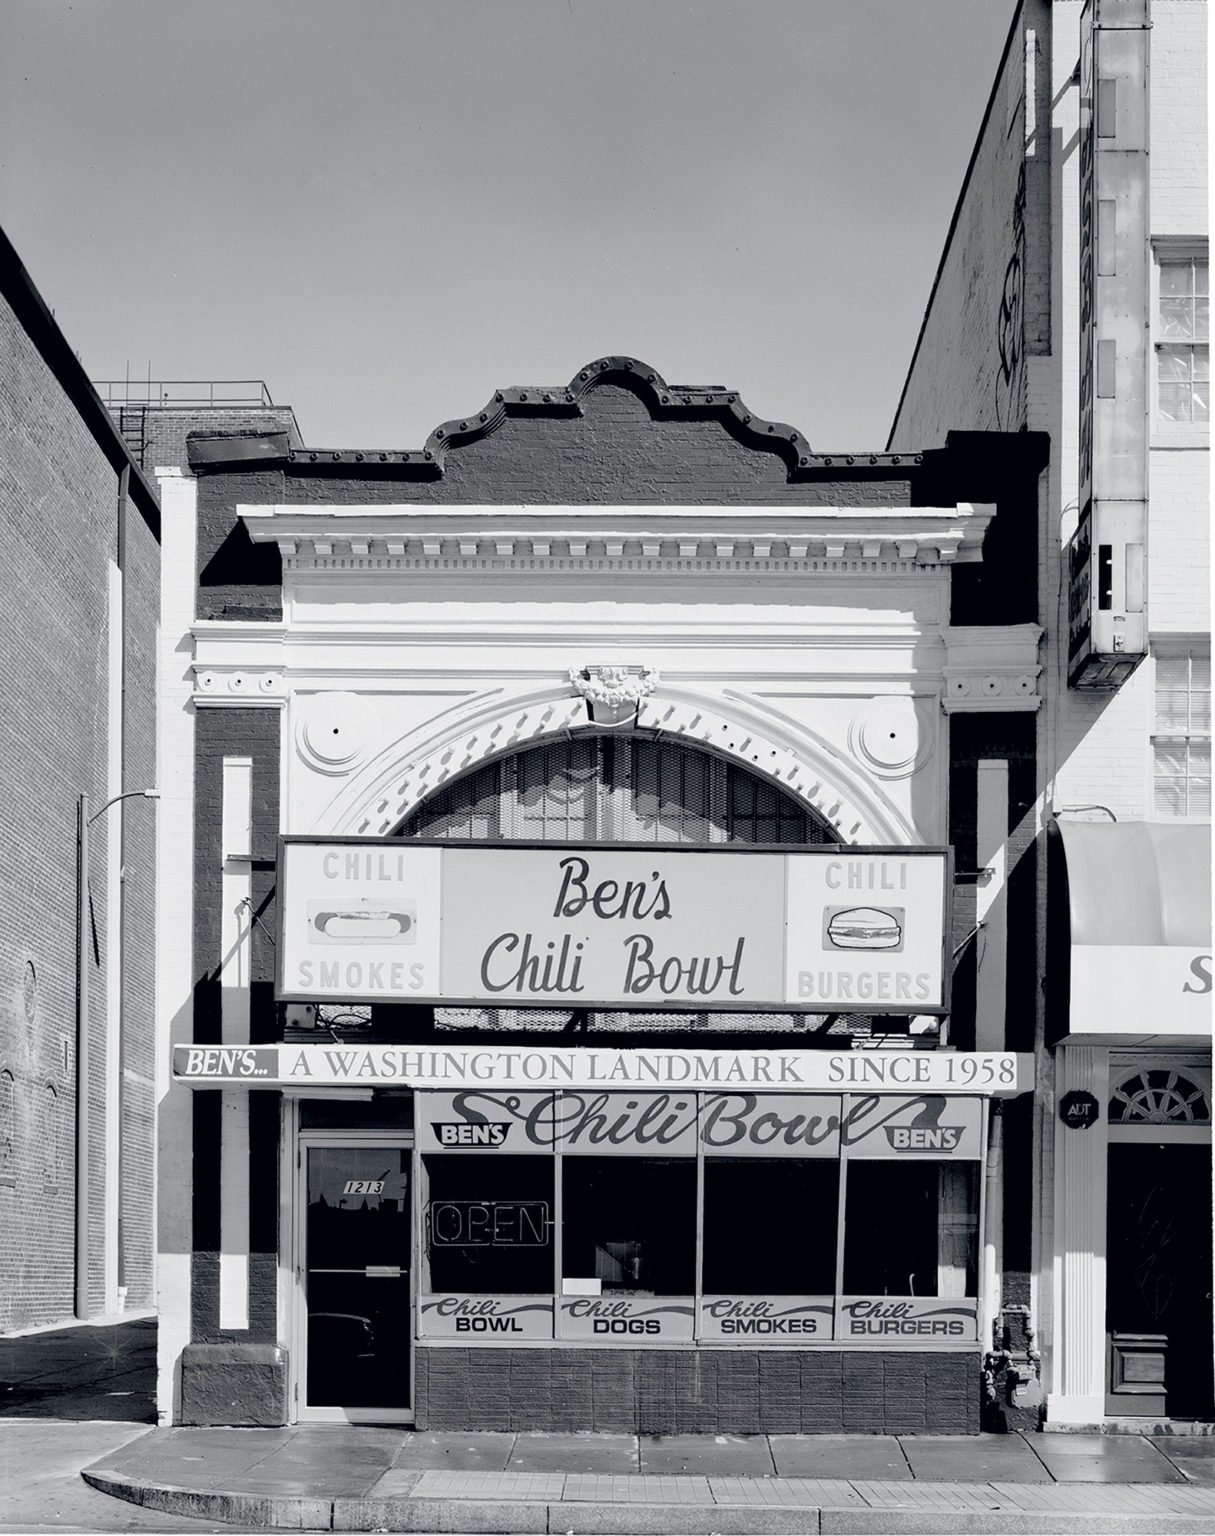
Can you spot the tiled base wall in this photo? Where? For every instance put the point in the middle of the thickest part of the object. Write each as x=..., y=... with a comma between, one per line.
x=657, y=1392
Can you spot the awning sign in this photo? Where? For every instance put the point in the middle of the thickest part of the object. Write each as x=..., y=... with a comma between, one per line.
x=363, y=1067
x=818, y=930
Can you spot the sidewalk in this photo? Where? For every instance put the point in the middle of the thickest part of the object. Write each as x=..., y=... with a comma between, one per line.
x=346, y=1478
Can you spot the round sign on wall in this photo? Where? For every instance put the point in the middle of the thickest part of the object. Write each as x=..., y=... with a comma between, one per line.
x=1079, y=1109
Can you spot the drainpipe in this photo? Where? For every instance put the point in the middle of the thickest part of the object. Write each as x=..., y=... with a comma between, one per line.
x=124, y=490
x=82, y=1057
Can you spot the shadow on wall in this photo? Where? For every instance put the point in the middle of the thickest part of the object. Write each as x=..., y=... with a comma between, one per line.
x=82, y=1372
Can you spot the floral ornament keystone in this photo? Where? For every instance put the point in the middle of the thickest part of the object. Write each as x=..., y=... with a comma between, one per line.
x=613, y=694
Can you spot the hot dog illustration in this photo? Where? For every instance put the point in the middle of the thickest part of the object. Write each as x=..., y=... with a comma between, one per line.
x=362, y=921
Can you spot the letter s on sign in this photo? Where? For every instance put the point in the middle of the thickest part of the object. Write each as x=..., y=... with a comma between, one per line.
x=1200, y=966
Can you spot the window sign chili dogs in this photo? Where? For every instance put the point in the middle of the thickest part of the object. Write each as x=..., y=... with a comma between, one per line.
x=817, y=929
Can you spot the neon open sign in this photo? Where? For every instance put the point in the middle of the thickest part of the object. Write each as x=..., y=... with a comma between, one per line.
x=488, y=1223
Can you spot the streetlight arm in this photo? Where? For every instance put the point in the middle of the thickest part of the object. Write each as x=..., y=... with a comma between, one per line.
x=131, y=794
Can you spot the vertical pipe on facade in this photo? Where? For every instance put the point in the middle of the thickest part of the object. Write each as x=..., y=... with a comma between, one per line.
x=120, y=1105
x=82, y=1057
x=124, y=491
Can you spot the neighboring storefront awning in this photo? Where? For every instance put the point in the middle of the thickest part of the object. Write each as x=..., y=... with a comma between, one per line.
x=1137, y=902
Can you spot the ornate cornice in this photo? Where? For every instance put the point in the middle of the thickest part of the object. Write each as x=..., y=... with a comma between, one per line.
x=664, y=401
x=992, y=669
x=371, y=539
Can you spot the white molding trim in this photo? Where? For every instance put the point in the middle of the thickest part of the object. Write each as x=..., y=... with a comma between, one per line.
x=992, y=668
x=380, y=796
x=638, y=540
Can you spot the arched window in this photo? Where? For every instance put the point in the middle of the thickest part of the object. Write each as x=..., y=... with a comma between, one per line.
x=8, y=1128
x=1159, y=1096
x=618, y=789
x=48, y=1134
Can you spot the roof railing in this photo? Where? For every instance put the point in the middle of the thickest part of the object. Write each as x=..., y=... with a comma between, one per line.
x=184, y=392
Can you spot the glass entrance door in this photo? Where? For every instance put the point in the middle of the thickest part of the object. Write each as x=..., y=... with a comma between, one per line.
x=355, y=1273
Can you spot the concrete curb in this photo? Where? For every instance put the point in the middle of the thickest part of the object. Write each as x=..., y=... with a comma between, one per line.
x=414, y=1516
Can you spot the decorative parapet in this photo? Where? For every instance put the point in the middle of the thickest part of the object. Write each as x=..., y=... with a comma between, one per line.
x=369, y=540
x=992, y=668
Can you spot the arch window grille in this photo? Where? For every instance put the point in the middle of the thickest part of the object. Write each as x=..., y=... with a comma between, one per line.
x=603, y=788
x=1159, y=1096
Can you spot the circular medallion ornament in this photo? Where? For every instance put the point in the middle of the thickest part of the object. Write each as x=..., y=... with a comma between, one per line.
x=333, y=731
x=1078, y=1110
x=889, y=737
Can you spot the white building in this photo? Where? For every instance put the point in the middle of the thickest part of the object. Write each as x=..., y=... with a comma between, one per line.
x=1071, y=299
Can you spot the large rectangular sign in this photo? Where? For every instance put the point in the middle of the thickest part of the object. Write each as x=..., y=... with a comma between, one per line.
x=818, y=930
x=492, y=1068
x=724, y=1124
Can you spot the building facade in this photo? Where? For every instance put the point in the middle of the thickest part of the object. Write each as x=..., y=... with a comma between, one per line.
x=77, y=877
x=1071, y=299
x=582, y=1023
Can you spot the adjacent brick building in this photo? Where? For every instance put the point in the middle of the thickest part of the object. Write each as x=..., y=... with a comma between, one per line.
x=81, y=600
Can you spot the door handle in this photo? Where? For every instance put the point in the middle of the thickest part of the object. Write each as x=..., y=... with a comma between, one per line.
x=383, y=1272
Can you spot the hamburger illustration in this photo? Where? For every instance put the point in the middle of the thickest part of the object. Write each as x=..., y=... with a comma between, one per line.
x=865, y=928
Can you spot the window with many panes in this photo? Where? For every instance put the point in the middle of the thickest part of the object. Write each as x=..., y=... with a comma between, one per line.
x=1181, y=736
x=1183, y=361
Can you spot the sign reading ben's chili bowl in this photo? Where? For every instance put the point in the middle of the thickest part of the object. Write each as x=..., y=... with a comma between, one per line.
x=816, y=930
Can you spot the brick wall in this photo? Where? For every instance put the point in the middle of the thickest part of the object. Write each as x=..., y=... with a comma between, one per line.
x=141, y=584
x=703, y=1391
x=59, y=503
x=1179, y=549
x=989, y=309
x=1178, y=109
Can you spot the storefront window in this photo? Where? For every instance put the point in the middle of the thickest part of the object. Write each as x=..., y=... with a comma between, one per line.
x=629, y=1225
x=912, y=1229
x=489, y=1224
x=770, y=1226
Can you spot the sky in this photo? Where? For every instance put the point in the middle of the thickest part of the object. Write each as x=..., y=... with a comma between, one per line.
x=388, y=209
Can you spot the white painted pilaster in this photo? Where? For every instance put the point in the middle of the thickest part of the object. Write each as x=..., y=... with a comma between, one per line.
x=235, y=930
x=1077, y=1393
x=175, y=928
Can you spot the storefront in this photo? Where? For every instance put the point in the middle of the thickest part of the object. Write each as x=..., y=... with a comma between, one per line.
x=822, y=1245
x=484, y=1213
x=567, y=1037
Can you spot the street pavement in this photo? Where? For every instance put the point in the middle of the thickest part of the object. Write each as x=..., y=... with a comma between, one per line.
x=359, y=1478
x=78, y=1453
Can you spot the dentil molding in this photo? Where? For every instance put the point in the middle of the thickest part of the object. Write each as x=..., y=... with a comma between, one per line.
x=637, y=540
